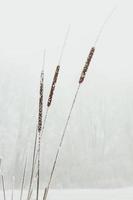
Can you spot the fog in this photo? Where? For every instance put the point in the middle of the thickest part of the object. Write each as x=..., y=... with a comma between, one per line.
x=98, y=148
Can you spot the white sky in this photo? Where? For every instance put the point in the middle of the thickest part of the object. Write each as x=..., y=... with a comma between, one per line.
x=29, y=26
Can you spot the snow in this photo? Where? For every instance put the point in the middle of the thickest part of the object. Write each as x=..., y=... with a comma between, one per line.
x=93, y=194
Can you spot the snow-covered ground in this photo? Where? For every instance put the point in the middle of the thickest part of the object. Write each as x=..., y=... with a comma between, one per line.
x=90, y=194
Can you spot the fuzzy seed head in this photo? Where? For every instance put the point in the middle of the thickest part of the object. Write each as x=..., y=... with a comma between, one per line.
x=82, y=77
x=40, y=114
x=53, y=86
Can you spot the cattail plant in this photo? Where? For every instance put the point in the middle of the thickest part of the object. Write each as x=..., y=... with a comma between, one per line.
x=49, y=102
x=23, y=179
x=82, y=77
x=81, y=80
x=48, y=105
x=2, y=180
x=38, y=133
x=39, y=128
x=55, y=78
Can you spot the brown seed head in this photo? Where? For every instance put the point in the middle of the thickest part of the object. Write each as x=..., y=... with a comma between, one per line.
x=40, y=103
x=53, y=86
x=91, y=53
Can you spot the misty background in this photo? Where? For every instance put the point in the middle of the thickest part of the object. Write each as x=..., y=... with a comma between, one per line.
x=98, y=147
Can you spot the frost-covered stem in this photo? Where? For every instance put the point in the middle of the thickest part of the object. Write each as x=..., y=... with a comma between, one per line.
x=33, y=166
x=23, y=179
x=60, y=144
x=40, y=116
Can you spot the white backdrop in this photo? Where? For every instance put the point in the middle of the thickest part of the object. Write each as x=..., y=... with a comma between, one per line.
x=98, y=150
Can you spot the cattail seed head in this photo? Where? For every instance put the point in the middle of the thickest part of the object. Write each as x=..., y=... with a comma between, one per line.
x=40, y=114
x=82, y=77
x=53, y=86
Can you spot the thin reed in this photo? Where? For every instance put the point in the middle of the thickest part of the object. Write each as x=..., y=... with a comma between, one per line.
x=33, y=166
x=40, y=116
x=23, y=179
